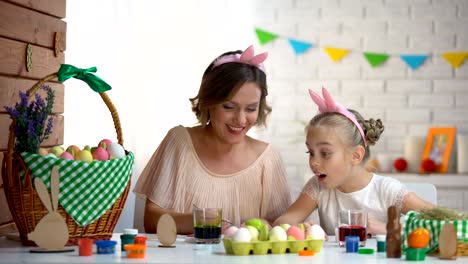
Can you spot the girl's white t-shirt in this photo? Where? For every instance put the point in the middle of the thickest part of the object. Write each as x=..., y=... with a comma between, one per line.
x=375, y=198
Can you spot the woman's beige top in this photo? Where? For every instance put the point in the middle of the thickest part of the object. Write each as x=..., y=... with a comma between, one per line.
x=176, y=179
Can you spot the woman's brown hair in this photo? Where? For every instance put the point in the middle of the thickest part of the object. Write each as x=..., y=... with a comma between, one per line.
x=220, y=83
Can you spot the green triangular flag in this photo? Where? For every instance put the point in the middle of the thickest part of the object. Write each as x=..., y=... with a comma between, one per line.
x=375, y=59
x=264, y=36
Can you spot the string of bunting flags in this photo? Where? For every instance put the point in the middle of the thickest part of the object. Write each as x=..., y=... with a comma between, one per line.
x=414, y=61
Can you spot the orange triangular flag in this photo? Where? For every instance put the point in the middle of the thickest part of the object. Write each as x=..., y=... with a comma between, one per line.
x=455, y=58
x=335, y=53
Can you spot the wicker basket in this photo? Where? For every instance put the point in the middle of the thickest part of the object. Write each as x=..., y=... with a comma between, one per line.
x=462, y=249
x=434, y=226
x=23, y=200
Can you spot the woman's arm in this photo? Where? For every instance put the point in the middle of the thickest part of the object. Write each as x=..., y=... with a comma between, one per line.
x=413, y=202
x=298, y=211
x=153, y=212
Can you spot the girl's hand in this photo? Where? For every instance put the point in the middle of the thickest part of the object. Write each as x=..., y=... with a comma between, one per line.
x=375, y=227
x=225, y=224
x=308, y=224
x=311, y=223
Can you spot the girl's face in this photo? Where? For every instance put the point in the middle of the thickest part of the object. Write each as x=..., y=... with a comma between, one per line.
x=232, y=119
x=329, y=156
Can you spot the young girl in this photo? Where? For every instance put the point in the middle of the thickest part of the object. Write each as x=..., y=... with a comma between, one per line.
x=338, y=143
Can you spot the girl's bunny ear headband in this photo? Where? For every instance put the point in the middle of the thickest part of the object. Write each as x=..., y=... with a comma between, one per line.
x=247, y=57
x=327, y=105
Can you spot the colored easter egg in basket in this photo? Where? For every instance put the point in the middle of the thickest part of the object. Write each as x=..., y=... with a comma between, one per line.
x=42, y=151
x=100, y=153
x=56, y=150
x=50, y=155
x=85, y=155
x=116, y=151
x=74, y=150
x=105, y=143
x=67, y=155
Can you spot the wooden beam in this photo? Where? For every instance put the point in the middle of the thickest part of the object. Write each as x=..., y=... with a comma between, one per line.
x=56, y=138
x=13, y=57
x=53, y=7
x=10, y=88
x=30, y=26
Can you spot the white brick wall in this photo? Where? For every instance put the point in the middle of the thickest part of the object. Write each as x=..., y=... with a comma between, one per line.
x=408, y=102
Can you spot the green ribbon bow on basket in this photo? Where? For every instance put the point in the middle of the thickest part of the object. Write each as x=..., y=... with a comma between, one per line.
x=68, y=71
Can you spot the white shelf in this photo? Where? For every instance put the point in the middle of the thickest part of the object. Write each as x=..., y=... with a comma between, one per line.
x=439, y=180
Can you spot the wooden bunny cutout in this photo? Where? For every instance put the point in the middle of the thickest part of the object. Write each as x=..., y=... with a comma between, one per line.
x=448, y=242
x=51, y=233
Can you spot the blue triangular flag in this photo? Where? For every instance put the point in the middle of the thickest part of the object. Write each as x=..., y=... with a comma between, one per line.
x=414, y=61
x=300, y=46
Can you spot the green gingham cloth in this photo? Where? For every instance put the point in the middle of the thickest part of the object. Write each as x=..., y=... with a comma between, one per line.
x=87, y=190
x=412, y=222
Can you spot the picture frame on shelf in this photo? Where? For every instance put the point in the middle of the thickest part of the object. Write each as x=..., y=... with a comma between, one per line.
x=438, y=148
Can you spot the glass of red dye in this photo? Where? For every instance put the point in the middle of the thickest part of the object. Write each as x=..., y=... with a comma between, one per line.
x=352, y=223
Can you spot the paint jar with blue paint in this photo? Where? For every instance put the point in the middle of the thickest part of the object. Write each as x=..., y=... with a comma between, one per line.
x=106, y=246
x=352, y=244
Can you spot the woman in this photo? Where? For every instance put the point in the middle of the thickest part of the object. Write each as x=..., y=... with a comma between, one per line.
x=215, y=164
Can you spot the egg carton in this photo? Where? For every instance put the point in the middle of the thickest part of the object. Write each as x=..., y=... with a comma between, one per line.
x=273, y=247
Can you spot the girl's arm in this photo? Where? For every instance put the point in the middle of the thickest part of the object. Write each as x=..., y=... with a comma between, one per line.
x=153, y=212
x=298, y=211
x=410, y=202
x=413, y=202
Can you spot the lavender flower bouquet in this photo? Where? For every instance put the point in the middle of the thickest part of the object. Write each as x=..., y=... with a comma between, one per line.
x=31, y=118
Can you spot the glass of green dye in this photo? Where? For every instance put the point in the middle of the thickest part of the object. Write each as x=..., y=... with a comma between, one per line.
x=207, y=225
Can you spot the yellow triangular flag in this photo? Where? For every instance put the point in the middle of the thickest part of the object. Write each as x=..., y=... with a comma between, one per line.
x=335, y=53
x=455, y=58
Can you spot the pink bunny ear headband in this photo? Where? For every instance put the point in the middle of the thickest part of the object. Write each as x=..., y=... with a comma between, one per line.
x=247, y=57
x=327, y=105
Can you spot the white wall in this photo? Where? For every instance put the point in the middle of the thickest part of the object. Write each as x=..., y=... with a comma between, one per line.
x=153, y=54
x=408, y=102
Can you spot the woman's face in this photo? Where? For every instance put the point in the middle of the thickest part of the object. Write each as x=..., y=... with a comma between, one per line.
x=329, y=156
x=232, y=119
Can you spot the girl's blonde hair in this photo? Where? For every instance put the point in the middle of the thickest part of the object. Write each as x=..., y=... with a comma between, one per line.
x=372, y=128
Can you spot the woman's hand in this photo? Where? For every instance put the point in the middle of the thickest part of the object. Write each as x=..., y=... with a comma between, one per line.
x=375, y=227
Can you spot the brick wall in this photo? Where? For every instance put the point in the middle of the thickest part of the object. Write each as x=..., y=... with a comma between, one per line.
x=408, y=102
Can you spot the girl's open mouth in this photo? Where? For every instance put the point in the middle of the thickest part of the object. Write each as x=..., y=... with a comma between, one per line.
x=321, y=176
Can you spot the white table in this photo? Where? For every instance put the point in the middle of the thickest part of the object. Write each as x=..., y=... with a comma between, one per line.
x=13, y=252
